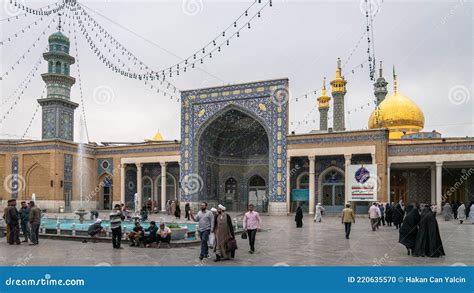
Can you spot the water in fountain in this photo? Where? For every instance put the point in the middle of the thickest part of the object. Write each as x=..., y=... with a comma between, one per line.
x=82, y=179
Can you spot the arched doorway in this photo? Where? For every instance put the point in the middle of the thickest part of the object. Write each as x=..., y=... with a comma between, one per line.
x=147, y=190
x=332, y=189
x=171, y=189
x=106, y=192
x=230, y=200
x=258, y=193
x=234, y=142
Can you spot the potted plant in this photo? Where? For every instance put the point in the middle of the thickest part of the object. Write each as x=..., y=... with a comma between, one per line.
x=177, y=232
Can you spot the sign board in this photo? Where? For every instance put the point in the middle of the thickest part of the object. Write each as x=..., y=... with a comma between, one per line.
x=363, y=183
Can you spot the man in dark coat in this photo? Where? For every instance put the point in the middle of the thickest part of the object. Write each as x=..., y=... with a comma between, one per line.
x=428, y=241
x=388, y=214
x=409, y=229
x=13, y=218
x=397, y=215
x=299, y=217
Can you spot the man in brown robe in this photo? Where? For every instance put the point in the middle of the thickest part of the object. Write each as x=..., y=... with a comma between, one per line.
x=224, y=231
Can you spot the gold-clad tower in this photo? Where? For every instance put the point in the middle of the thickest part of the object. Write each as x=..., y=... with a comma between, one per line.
x=323, y=106
x=338, y=91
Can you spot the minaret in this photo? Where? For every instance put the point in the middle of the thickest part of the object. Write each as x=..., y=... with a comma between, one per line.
x=323, y=106
x=380, y=87
x=338, y=92
x=57, y=107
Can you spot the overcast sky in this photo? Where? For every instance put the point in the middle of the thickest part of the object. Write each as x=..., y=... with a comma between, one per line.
x=429, y=42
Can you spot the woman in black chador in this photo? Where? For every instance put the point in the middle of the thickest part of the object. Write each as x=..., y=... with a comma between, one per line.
x=299, y=217
x=428, y=241
x=388, y=214
x=409, y=228
x=397, y=215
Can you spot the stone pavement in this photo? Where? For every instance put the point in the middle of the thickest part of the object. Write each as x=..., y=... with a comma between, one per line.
x=279, y=244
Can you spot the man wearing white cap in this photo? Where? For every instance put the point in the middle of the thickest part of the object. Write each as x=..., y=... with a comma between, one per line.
x=224, y=231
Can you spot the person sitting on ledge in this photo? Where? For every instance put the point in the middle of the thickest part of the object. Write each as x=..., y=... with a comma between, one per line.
x=150, y=234
x=163, y=235
x=95, y=229
x=136, y=235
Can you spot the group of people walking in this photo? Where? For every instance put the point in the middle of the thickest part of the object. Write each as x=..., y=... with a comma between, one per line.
x=216, y=230
x=28, y=218
x=458, y=211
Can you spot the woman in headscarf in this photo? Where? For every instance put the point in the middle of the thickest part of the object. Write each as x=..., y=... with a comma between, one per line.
x=388, y=214
x=397, y=215
x=447, y=212
x=461, y=213
x=177, y=211
x=428, y=240
x=409, y=228
x=299, y=217
x=224, y=231
x=173, y=208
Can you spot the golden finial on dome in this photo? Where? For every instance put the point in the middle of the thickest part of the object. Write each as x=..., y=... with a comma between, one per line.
x=324, y=86
x=338, y=70
x=395, y=85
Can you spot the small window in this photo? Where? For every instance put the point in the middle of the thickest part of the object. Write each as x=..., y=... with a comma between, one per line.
x=58, y=67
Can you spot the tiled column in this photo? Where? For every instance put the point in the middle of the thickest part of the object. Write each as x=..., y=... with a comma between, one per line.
x=163, y=187
x=139, y=185
x=439, y=184
x=346, y=175
x=311, y=184
x=288, y=182
x=433, y=184
x=388, y=183
x=122, y=183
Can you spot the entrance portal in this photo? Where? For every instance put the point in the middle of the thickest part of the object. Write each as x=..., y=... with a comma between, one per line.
x=233, y=145
x=332, y=189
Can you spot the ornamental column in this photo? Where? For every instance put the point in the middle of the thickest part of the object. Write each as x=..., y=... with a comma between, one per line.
x=439, y=185
x=311, y=184
x=139, y=185
x=347, y=175
x=388, y=183
x=433, y=184
x=163, y=186
x=122, y=183
x=288, y=182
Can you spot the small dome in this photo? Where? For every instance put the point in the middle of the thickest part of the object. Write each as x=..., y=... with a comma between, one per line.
x=399, y=114
x=58, y=37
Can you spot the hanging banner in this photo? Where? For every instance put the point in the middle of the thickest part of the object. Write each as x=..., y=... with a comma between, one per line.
x=363, y=183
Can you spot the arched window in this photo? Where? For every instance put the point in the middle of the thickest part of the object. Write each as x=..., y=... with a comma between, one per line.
x=302, y=182
x=50, y=66
x=66, y=69
x=170, y=187
x=58, y=67
x=231, y=186
x=147, y=189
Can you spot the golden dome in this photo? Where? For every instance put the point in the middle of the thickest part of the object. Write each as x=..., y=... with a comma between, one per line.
x=399, y=114
x=157, y=137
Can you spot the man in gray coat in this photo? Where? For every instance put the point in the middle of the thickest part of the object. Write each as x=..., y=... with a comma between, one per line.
x=35, y=221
